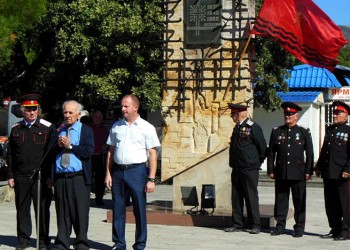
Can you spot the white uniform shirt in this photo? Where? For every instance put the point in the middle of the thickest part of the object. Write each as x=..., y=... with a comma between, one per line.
x=132, y=141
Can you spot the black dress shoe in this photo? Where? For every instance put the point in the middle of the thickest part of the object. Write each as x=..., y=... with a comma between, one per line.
x=255, y=231
x=277, y=232
x=233, y=229
x=342, y=237
x=328, y=236
x=116, y=248
x=100, y=203
x=297, y=234
x=22, y=247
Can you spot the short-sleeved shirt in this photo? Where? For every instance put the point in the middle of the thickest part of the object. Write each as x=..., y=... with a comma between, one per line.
x=133, y=141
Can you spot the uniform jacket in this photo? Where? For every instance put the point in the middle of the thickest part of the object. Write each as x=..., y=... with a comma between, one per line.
x=83, y=151
x=247, y=147
x=27, y=148
x=290, y=153
x=335, y=153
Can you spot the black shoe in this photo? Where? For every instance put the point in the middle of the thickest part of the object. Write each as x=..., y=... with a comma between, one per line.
x=255, y=231
x=341, y=237
x=329, y=235
x=115, y=248
x=277, y=232
x=233, y=229
x=100, y=203
x=22, y=247
x=297, y=234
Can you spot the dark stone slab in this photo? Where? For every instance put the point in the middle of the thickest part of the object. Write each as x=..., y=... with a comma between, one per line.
x=159, y=213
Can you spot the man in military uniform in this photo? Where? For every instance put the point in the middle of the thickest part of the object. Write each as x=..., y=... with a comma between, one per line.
x=290, y=169
x=28, y=143
x=334, y=167
x=247, y=153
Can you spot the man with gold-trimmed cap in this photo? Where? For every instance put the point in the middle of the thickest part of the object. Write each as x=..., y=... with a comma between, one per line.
x=333, y=166
x=28, y=143
x=289, y=168
x=247, y=153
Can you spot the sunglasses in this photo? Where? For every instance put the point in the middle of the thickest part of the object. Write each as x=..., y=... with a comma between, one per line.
x=30, y=109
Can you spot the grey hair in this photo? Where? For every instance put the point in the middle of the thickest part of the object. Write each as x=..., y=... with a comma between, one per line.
x=80, y=106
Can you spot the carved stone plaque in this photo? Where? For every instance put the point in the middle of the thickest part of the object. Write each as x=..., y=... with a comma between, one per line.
x=202, y=23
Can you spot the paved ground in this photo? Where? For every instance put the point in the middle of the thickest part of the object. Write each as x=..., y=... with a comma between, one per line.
x=164, y=237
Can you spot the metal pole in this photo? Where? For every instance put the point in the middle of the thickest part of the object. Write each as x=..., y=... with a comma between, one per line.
x=38, y=211
x=238, y=64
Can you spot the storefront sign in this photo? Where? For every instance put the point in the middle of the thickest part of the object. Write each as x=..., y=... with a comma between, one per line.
x=339, y=93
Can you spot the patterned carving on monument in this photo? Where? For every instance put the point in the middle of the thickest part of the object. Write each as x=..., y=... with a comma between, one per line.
x=202, y=44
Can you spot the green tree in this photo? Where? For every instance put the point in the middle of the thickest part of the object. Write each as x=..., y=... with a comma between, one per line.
x=90, y=50
x=344, y=56
x=15, y=17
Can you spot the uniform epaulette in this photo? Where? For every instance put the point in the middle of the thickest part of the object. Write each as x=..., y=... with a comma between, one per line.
x=46, y=123
x=250, y=123
x=16, y=124
x=303, y=127
x=276, y=127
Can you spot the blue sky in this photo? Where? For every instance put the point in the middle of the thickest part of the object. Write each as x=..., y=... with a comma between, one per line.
x=337, y=10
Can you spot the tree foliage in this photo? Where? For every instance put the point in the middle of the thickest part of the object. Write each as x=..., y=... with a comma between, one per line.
x=344, y=56
x=90, y=50
x=15, y=17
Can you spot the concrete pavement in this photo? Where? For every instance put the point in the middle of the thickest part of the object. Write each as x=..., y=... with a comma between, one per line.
x=166, y=237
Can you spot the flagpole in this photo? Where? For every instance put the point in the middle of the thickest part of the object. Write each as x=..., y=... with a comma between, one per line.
x=238, y=64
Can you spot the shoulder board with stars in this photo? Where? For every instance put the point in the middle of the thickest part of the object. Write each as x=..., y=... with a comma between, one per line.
x=46, y=123
x=16, y=124
x=307, y=129
x=250, y=123
x=278, y=127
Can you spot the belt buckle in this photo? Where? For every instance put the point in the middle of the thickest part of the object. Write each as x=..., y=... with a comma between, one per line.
x=67, y=175
x=123, y=166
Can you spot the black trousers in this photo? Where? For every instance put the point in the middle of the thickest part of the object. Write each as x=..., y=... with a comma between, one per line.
x=245, y=189
x=282, y=193
x=336, y=197
x=98, y=174
x=72, y=200
x=26, y=192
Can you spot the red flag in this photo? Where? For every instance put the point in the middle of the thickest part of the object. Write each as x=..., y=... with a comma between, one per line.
x=302, y=29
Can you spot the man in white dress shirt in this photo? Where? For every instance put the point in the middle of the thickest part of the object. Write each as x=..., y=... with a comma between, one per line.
x=132, y=141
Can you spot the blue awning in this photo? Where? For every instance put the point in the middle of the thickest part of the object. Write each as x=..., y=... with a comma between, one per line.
x=300, y=96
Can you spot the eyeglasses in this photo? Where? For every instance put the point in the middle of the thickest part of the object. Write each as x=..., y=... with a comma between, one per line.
x=30, y=109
